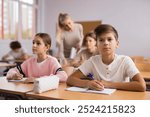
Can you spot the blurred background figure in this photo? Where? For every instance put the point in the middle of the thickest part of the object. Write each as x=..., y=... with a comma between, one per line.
x=16, y=52
x=89, y=49
x=68, y=35
x=15, y=56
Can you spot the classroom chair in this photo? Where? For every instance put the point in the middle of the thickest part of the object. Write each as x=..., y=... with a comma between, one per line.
x=147, y=60
x=144, y=67
x=138, y=59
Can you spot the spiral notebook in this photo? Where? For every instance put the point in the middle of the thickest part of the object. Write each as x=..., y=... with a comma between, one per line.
x=107, y=91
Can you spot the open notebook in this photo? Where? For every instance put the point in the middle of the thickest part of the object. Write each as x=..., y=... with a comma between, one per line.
x=24, y=80
x=21, y=80
x=86, y=90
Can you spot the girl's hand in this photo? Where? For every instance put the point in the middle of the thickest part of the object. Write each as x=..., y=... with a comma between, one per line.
x=15, y=76
x=95, y=84
x=78, y=46
x=77, y=64
x=82, y=59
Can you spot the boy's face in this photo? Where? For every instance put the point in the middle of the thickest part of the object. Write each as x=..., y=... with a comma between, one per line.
x=39, y=46
x=107, y=43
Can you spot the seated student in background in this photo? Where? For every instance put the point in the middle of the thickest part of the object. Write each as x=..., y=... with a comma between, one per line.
x=109, y=69
x=16, y=52
x=41, y=65
x=89, y=42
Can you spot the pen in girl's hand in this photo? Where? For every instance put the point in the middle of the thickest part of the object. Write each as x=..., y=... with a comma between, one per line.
x=18, y=76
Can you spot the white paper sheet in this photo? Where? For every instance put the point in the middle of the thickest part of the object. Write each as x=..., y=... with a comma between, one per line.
x=86, y=90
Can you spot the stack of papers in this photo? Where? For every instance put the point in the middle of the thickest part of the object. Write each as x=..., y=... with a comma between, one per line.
x=86, y=90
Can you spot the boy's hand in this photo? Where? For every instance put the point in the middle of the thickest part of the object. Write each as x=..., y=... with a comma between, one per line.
x=95, y=84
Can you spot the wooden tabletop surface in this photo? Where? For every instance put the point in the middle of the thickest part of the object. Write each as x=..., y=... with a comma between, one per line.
x=62, y=94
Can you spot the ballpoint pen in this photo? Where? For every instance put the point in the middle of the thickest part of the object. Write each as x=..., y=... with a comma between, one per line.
x=90, y=75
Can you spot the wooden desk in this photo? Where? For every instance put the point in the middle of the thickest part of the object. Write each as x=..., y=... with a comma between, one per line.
x=61, y=94
x=146, y=75
x=14, y=87
x=2, y=64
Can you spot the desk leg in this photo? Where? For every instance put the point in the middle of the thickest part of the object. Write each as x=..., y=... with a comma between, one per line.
x=147, y=85
x=8, y=96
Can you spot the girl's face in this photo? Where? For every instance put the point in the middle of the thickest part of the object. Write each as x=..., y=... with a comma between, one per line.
x=39, y=46
x=90, y=42
x=107, y=43
x=68, y=24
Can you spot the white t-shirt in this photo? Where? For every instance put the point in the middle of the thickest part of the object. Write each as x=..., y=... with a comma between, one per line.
x=121, y=69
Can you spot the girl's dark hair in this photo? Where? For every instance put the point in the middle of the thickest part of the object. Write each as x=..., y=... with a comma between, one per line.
x=89, y=34
x=61, y=19
x=105, y=28
x=15, y=45
x=45, y=37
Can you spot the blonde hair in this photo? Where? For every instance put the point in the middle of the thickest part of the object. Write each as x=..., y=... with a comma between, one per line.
x=61, y=18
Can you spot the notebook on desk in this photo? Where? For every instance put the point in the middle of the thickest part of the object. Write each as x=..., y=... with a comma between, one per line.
x=24, y=80
x=86, y=90
x=21, y=80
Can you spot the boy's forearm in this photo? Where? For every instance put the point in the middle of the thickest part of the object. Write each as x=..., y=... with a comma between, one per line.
x=77, y=82
x=131, y=86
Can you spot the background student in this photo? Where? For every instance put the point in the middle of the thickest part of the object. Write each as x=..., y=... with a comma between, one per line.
x=90, y=49
x=109, y=69
x=69, y=34
x=16, y=52
x=41, y=65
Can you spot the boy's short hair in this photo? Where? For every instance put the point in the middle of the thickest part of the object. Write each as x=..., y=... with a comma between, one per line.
x=105, y=28
x=15, y=45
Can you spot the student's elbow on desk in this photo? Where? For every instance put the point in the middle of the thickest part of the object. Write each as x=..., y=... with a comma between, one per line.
x=62, y=76
x=142, y=87
x=70, y=80
x=141, y=82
